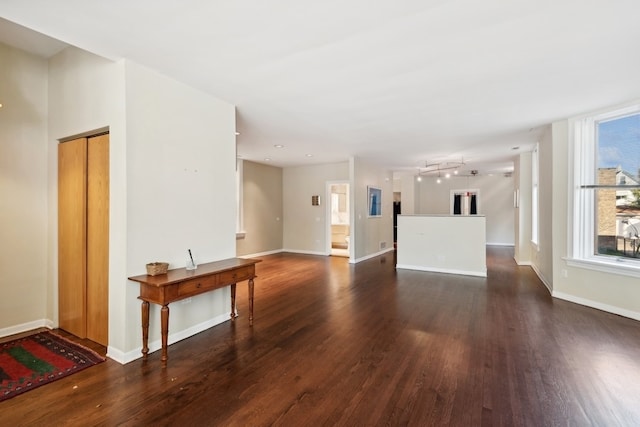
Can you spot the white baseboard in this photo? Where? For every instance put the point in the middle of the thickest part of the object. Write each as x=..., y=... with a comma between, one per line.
x=544, y=281
x=318, y=253
x=522, y=263
x=443, y=270
x=296, y=251
x=126, y=357
x=597, y=305
x=26, y=327
x=276, y=251
x=500, y=244
x=364, y=258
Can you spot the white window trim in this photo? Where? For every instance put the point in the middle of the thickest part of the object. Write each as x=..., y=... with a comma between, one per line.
x=240, y=232
x=535, y=196
x=581, y=212
x=617, y=266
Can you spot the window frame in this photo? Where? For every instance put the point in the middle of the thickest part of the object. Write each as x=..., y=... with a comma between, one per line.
x=240, y=231
x=582, y=190
x=535, y=195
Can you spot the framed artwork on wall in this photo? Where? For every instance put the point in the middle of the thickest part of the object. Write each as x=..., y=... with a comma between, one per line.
x=374, y=196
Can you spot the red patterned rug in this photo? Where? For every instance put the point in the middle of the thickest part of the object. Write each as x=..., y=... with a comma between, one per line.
x=29, y=362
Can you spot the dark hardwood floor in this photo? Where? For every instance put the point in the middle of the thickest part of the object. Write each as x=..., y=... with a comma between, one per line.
x=340, y=345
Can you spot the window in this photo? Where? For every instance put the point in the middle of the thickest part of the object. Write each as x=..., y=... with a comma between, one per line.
x=606, y=208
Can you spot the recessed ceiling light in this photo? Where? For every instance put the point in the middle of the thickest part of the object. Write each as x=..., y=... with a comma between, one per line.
x=309, y=155
x=267, y=159
x=279, y=146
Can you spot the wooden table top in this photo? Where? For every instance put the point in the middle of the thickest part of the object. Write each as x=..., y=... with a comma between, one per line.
x=181, y=274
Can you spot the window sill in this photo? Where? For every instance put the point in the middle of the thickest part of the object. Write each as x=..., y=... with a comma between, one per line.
x=619, y=266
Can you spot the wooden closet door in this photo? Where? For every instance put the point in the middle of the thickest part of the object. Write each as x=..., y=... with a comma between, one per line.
x=72, y=236
x=98, y=239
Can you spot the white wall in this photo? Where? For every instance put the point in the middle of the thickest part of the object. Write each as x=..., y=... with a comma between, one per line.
x=495, y=202
x=542, y=254
x=408, y=194
x=180, y=167
x=522, y=214
x=370, y=234
x=23, y=190
x=304, y=226
x=262, y=209
x=172, y=160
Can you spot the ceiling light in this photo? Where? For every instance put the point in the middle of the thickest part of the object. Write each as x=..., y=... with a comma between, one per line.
x=438, y=180
x=309, y=155
x=267, y=159
x=447, y=175
x=455, y=172
x=279, y=146
x=419, y=179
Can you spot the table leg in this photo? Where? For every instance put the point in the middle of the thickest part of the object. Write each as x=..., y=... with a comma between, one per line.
x=164, y=322
x=233, y=302
x=250, y=302
x=145, y=329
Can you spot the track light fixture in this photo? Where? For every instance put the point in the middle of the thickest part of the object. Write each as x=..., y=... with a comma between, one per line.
x=448, y=167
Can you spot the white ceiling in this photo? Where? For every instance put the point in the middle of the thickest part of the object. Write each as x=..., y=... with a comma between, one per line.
x=397, y=82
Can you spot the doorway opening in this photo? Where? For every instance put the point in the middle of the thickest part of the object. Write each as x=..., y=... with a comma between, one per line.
x=465, y=202
x=339, y=226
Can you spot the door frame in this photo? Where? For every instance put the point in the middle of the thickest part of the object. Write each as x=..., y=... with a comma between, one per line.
x=328, y=216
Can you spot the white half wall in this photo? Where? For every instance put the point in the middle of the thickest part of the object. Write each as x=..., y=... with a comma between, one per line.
x=443, y=243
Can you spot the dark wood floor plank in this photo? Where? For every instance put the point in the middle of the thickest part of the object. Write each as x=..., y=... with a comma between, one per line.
x=335, y=344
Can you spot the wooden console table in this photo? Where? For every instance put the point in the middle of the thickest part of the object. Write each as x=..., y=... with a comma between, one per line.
x=181, y=283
